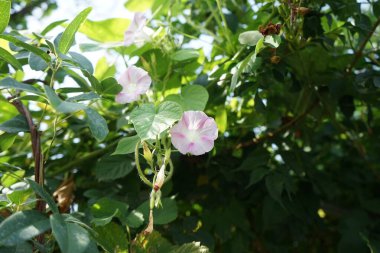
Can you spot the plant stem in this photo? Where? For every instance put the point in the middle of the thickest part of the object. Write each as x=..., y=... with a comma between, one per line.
x=141, y=173
x=359, y=53
x=37, y=154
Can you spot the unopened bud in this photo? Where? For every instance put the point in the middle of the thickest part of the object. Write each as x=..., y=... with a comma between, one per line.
x=160, y=178
x=147, y=154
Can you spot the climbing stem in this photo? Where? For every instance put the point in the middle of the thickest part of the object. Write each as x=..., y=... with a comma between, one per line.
x=141, y=173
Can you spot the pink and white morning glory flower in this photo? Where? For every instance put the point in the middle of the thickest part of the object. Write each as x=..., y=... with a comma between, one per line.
x=194, y=133
x=135, y=82
x=137, y=32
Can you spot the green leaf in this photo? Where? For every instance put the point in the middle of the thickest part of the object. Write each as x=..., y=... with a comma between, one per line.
x=152, y=242
x=36, y=63
x=68, y=35
x=112, y=238
x=97, y=124
x=192, y=247
x=44, y=195
x=259, y=46
x=83, y=62
x=135, y=219
x=7, y=140
x=13, y=84
x=192, y=97
x=106, y=207
x=185, y=55
x=95, y=84
x=84, y=97
x=109, y=86
x=150, y=121
x=257, y=175
x=70, y=236
x=60, y=105
x=272, y=40
x=8, y=57
x=113, y=167
x=33, y=49
x=221, y=119
x=103, y=69
x=275, y=185
x=109, y=30
x=250, y=38
x=78, y=79
x=9, y=178
x=241, y=67
x=103, y=220
x=51, y=26
x=164, y=215
x=376, y=8
x=19, y=196
x=15, y=125
x=126, y=145
x=259, y=104
x=22, y=226
x=5, y=10
x=138, y=5
x=19, y=248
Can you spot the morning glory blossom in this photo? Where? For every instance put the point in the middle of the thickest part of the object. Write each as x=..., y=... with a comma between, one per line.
x=135, y=82
x=137, y=32
x=194, y=133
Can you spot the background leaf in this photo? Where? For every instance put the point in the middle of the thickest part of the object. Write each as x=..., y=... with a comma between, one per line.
x=108, y=30
x=70, y=236
x=68, y=35
x=164, y=215
x=97, y=124
x=192, y=98
x=127, y=145
x=113, y=167
x=22, y=226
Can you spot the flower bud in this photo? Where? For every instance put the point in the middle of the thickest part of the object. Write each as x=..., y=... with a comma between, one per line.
x=160, y=178
x=147, y=154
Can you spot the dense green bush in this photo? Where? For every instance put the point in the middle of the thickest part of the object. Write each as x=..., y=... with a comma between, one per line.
x=293, y=87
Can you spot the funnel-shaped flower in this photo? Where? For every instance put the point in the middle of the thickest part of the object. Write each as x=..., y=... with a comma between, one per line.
x=194, y=133
x=137, y=32
x=135, y=82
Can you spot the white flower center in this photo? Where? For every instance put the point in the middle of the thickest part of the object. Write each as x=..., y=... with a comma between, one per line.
x=131, y=88
x=192, y=135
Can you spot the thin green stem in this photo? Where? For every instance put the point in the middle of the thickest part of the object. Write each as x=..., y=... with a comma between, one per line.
x=170, y=173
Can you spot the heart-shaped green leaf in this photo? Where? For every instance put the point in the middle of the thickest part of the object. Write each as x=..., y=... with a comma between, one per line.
x=150, y=121
x=192, y=97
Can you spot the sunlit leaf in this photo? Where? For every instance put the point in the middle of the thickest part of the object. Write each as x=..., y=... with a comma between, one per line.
x=109, y=30
x=22, y=226
x=192, y=97
x=8, y=57
x=150, y=121
x=138, y=5
x=68, y=35
x=5, y=10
